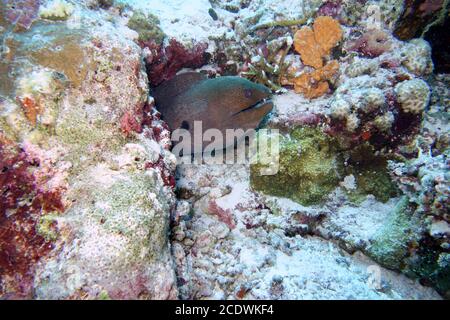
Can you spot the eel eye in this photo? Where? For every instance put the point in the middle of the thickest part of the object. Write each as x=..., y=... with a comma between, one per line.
x=248, y=93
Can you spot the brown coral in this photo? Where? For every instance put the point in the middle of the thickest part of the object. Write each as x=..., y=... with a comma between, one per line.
x=305, y=43
x=327, y=32
x=31, y=109
x=315, y=84
x=316, y=43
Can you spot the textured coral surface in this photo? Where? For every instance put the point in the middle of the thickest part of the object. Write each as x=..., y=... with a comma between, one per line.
x=94, y=205
x=24, y=200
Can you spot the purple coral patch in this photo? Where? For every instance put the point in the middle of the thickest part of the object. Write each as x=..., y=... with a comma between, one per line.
x=371, y=44
x=331, y=8
x=164, y=62
x=21, y=12
x=22, y=201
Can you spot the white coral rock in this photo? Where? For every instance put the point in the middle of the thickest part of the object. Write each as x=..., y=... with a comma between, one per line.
x=413, y=95
x=352, y=122
x=56, y=10
x=340, y=108
x=373, y=99
x=417, y=57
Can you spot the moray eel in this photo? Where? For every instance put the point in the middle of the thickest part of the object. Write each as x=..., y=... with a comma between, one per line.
x=221, y=103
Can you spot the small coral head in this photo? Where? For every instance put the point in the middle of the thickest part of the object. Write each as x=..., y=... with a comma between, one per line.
x=313, y=44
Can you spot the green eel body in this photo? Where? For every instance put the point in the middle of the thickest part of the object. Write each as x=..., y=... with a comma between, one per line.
x=221, y=103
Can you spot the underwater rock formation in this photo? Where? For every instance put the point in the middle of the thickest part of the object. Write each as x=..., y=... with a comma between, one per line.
x=372, y=43
x=436, y=37
x=163, y=62
x=272, y=252
x=147, y=26
x=307, y=168
x=221, y=104
x=56, y=10
x=93, y=204
x=269, y=65
x=426, y=19
x=417, y=16
x=31, y=196
x=92, y=201
x=425, y=182
x=20, y=13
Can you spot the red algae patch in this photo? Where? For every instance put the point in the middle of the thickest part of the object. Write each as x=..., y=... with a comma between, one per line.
x=23, y=201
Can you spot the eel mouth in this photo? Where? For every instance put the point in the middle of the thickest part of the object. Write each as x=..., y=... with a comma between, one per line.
x=257, y=105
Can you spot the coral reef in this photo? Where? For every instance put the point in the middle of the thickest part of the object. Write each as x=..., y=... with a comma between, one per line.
x=371, y=43
x=56, y=10
x=147, y=26
x=361, y=103
x=374, y=99
x=424, y=180
x=314, y=44
x=418, y=57
x=413, y=96
x=29, y=190
x=93, y=204
x=39, y=93
x=307, y=169
x=315, y=84
x=391, y=245
x=91, y=192
x=61, y=44
x=272, y=252
x=436, y=37
x=163, y=62
x=417, y=16
x=103, y=4
x=21, y=13
x=268, y=65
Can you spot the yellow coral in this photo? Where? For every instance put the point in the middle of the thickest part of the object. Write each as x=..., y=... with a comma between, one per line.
x=314, y=44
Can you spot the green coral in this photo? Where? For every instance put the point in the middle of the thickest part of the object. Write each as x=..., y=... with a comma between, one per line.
x=371, y=175
x=282, y=23
x=13, y=123
x=87, y=138
x=432, y=264
x=132, y=210
x=391, y=243
x=103, y=295
x=307, y=168
x=270, y=69
x=147, y=26
x=45, y=227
